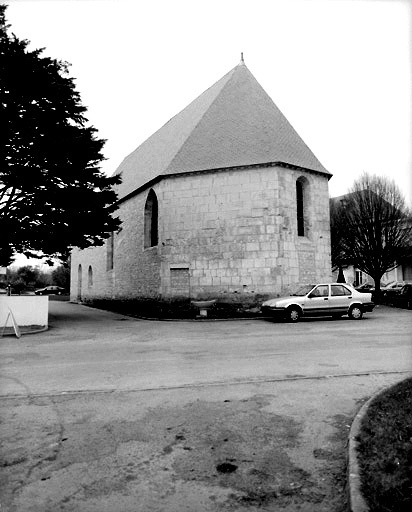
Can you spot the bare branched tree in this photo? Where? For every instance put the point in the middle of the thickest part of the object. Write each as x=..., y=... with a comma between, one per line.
x=336, y=227
x=371, y=227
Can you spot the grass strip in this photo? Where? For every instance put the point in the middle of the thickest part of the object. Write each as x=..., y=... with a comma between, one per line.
x=385, y=450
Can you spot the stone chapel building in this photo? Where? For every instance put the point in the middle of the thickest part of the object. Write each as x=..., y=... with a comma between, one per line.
x=224, y=199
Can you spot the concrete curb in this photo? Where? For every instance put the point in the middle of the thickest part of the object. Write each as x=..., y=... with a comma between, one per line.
x=356, y=500
x=24, y=333
x=199, y=320
x=37, y=331
x=165, y=319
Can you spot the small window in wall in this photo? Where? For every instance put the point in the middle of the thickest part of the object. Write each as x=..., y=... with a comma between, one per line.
x=109, y=251
x=151, y=221
x=90, y=277
x=300, y=207
x=79, y=282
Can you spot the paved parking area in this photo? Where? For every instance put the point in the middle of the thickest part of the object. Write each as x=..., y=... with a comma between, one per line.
x=104, y=412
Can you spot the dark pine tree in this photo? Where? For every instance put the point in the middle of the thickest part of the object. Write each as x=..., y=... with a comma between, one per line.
x=53, y=195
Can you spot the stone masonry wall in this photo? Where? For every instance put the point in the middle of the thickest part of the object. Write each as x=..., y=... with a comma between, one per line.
x=102, y=280
x=135, y=272
x=237, y=231
x=221, y=233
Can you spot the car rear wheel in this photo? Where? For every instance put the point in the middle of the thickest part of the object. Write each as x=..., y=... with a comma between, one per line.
x=292, y=314
x=355, y=313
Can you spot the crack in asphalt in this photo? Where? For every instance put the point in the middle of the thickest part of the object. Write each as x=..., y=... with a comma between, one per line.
x=28, y=394
x=55, y=447
x=194, y=385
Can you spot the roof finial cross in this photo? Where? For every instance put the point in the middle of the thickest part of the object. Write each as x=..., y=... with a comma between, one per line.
x=241, y=58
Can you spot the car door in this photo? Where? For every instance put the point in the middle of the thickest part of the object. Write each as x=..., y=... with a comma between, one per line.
x=339, y=299
x=317, y=302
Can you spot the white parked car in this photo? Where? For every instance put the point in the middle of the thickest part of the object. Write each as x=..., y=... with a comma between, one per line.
x=325, y=299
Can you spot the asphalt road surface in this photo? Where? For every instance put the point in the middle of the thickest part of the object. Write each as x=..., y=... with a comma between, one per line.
x=106, y=412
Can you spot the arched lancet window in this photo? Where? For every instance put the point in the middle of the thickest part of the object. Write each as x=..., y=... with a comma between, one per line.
x=90, y=277
x=151, y=221
x=79, y=282
x=110, y=252
x=301, y=205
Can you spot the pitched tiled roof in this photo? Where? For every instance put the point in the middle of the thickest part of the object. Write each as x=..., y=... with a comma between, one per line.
x=233, y=123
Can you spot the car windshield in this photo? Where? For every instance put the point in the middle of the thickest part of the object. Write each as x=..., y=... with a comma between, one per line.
x=304, y=290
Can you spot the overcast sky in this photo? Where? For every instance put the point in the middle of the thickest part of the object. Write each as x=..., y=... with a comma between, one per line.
x=340, y=70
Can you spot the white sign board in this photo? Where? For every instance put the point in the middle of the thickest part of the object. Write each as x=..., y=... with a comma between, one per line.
x=3, y=271
x=14, y=323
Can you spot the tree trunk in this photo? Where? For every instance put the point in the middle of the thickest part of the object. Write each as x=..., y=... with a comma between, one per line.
x=377, y=294
x=341, y=276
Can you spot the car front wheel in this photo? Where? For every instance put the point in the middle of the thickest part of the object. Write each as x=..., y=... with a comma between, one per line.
x=292, y=314
x=355, y=313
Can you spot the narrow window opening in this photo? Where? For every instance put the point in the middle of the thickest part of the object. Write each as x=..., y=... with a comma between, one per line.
x=90, y=277
x=110, y=250
x=151, y=221
x=79, y=282
x=300, y=208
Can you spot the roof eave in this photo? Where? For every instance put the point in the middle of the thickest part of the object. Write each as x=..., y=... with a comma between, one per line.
x=160, y=177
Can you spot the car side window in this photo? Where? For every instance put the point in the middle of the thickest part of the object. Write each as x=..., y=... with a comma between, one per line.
x=320, y=291
x=338, y=290
x=405, y=290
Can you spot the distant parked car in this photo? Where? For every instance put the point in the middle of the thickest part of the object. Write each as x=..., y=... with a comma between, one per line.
x=393, y=288
x=370, y=288
x=404, y=298
x=51, y=290
x=329, y=299
x=365, y=287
